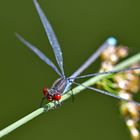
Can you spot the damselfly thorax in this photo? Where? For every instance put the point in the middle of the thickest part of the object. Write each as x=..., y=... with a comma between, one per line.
x=58, y=88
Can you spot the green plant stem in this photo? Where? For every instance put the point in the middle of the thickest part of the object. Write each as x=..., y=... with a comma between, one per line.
x=134, y=59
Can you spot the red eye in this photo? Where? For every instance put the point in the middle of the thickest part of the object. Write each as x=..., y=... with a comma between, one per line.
x=57, y=97
x=45, y=91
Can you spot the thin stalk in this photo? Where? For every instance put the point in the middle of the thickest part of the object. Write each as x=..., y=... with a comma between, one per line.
x=132, y=60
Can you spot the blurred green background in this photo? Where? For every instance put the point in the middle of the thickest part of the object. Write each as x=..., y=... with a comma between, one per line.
x=81, y=26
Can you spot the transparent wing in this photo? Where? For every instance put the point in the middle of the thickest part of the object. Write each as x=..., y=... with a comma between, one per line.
x=38, y=53
x=108, y=93
x=106, y=72
x=51, y=36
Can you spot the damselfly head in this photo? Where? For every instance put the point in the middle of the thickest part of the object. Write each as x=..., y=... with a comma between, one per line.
x=54, y=97
x=51, y=96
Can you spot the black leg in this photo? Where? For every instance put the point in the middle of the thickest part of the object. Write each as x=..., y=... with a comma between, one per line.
x=42, y=100
x=57, y=104
x=72, y=96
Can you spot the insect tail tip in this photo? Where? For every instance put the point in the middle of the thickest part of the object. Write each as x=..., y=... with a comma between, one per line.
x=112, y=41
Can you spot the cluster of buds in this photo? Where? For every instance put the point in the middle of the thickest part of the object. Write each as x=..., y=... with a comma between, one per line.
x=125, y=84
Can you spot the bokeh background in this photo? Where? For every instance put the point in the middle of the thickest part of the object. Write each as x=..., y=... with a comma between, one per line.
x=81, y=26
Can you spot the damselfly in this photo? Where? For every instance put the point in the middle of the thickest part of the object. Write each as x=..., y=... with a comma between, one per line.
x=63, y=84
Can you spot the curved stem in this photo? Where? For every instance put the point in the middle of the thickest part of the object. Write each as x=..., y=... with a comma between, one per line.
x=76, y=90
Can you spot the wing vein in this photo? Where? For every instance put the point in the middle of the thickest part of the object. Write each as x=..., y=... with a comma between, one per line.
x=51, y=36
x=38, y=53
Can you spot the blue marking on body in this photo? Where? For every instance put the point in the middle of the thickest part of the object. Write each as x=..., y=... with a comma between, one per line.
x=112, y=41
